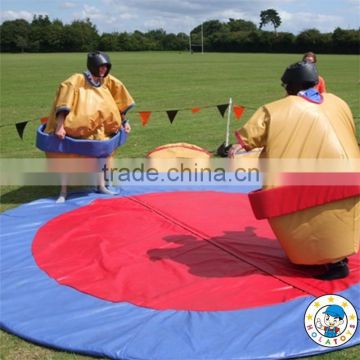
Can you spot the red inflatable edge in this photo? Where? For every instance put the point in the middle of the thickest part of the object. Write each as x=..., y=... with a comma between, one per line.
x=269, y=203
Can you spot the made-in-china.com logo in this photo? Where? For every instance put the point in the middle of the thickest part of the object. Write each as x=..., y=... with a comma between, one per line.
x=330, y=320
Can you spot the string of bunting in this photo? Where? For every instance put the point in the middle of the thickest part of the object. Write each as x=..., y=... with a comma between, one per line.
x=238, y=111
x=171, y=114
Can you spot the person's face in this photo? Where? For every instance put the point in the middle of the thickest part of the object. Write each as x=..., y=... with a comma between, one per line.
x=310, y=59
x=102, y=70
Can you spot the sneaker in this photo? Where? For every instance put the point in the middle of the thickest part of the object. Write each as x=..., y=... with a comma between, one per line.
x=62, y=198
x=105, y=190
x=338, y=270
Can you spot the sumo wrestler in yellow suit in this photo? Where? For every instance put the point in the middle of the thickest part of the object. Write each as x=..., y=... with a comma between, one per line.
x=315, y=225
x=89, y=106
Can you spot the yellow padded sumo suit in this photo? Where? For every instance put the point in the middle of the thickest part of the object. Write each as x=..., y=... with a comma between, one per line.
x=180, y=156
x=295, y=128
x=94, y=112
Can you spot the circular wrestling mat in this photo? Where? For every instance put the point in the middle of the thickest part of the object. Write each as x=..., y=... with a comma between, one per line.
x=157, y=275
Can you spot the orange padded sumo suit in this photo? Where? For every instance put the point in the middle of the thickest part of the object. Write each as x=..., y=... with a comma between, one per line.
x=314, y=224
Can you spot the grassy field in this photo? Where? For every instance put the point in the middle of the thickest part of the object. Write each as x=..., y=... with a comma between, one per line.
x=158, y=82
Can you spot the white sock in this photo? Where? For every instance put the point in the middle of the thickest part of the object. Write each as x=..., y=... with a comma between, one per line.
x=61, y=198
x=103, y=190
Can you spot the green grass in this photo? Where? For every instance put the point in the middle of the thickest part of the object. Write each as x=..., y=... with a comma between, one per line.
x=158, y=81
x=13, y=348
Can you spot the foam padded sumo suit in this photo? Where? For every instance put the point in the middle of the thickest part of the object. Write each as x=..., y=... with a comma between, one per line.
x=315, y=224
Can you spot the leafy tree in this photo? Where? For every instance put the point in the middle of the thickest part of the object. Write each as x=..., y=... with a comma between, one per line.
x=308, y=40
x=156, y=39
x=221, y=41
x=346, y=41
x=138, y=42
x=109, y=42
x=241, y=25
x=21, y=43
x=56, y=36
x=14, y=35
x=270, y=16
x=80, y=35
x=124, y=41
x=256, y=42
x=235, y=35
x=169, y=42
x=183, y=41
x=40, y=33
x=284, y=42
x=158, y=34
x=209, y=27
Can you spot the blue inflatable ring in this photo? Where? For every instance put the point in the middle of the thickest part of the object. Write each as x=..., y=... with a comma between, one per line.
x=92, y=148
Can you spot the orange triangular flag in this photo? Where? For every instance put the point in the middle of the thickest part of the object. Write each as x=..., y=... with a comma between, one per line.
x=44, y=120
x=144, y=115
x=238, y=111
x=195, y=110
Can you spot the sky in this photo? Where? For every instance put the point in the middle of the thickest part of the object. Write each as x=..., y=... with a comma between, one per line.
x=176, y=16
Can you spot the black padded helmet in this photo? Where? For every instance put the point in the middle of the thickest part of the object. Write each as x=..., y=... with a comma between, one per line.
x=300, y=73
x=96, y=59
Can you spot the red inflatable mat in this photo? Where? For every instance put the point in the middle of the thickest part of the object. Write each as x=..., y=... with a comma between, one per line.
x=177, y=250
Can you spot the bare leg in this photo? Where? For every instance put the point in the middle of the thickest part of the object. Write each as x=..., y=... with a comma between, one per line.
x=63, y=189
x=101, y=185
x=101, y=177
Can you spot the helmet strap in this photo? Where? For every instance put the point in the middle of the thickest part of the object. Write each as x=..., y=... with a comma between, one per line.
x=93, y=80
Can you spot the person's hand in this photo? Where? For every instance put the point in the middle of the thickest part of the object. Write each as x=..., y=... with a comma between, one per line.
x=127, y=127
x=60, y=132
x=234, y=149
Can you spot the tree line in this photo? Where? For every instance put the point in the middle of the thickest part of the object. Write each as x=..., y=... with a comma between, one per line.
x=235, y=35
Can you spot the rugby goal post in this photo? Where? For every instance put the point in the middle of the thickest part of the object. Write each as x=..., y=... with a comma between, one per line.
x=191, y=44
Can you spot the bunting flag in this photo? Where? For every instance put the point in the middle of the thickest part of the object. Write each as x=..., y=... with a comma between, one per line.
x=238, y=111
x=171, y=114
x=145, y=116
x=222, y=108
x=20, y=127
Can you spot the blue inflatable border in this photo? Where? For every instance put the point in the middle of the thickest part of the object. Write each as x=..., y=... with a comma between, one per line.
x=92, y=148
x=37, y=308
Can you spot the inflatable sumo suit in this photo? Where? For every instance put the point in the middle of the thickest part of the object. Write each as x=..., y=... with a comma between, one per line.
x=93, y=114
x=314, y=224
x=178, y=156
x=93, y=111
